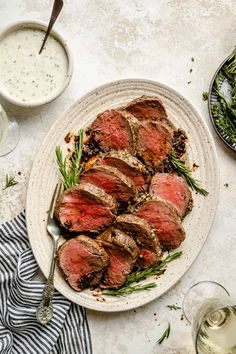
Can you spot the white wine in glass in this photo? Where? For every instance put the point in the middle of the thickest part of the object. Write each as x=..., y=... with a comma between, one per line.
x=212, y=313
x=216, y=331
x=9, y=133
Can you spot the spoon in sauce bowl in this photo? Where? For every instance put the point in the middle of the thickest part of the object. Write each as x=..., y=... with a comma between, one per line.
x=57, y=6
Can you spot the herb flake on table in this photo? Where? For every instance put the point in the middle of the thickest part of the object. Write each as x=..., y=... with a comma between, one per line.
x=185, y=172
x=70, y=169
x=173, y=307
x=9, y=182
x=205, y=96
x=226, y=185
x=165, y=335
x=142, y=274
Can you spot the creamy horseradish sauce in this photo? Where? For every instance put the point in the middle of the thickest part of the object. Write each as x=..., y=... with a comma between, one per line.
x=26, y=75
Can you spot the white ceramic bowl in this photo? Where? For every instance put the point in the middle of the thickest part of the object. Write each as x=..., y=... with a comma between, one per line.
x=55, y=93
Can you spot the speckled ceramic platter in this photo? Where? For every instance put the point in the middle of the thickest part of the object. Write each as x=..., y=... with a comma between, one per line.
x=45, y=175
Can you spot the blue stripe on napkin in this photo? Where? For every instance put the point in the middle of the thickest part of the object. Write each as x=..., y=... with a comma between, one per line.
x=20, y=333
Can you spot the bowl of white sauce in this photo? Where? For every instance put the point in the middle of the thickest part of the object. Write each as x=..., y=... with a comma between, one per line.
x=28, y=79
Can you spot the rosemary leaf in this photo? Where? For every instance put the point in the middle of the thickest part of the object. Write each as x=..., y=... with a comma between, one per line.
x=129, y=289
x=186, y=173
x=142, y=274
x=165, y=335
x=71, y=169
x=62, y=167
x=173, y=307
x=9, y=182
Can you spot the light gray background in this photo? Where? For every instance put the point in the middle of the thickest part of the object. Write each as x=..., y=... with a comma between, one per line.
x=153, y=39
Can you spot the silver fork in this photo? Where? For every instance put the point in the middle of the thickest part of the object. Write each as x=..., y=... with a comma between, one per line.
x=45, y=311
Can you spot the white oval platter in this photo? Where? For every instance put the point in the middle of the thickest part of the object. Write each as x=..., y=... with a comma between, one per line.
x=44, y=176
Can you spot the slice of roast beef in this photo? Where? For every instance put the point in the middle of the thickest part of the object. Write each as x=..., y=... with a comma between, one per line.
x=154, y=143
x=163, y=216
x=83, y=261
x=145, y=236
x=123, y=253
x=112, y=131
x=148, y=108
x=174, y=189
x=128, y=165
x=112, y=181
x=85, y=208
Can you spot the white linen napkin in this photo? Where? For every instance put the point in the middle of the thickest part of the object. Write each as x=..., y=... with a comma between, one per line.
x=20, y=333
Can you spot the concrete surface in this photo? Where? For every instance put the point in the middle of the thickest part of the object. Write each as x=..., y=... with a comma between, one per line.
x=152, y=39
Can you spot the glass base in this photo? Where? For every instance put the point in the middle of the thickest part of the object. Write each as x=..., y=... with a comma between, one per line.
x=11, y=138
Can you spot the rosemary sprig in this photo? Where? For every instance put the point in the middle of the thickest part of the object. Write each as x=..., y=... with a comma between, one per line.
x=186, y=173
x=224, y=111
x=9, y=182
x=165, y=335
x=71, y=169
x=127, y=289
x=173, y=307
x=142, y=274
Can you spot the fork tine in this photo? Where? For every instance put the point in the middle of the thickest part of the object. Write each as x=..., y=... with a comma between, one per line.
x=52, y=202
x=59, y=190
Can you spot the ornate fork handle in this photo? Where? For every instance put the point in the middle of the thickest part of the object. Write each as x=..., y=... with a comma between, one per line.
x=45, y=310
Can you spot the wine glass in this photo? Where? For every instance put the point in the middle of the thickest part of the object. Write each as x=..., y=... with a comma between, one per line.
x=211, y=311
x=9, y=133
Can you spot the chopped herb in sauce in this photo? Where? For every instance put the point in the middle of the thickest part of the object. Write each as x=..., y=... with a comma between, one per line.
x=21, y=66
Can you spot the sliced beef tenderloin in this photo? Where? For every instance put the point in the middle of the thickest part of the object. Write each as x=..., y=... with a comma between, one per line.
x=85, y=208
x=154, y=143
x=128, y=165
x=83, y=261
x=148, y=108
x=163, y=216
x=112, y=131
x=112, y=181
x=145, y=236
x=173, y=189
x=123, y=253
